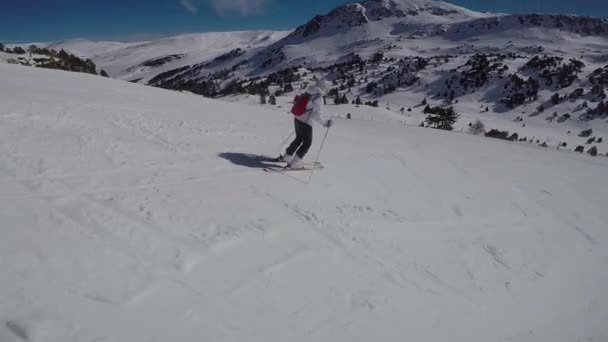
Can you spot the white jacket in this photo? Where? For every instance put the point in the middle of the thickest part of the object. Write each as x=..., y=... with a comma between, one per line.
x=314, y=109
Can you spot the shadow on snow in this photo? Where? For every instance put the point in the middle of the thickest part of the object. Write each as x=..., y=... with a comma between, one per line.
x=248, y=160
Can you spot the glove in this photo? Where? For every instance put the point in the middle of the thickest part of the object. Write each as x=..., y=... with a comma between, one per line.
x=329, y=123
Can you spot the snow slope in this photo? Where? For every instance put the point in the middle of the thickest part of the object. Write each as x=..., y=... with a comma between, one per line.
x=124, y=60
x=130, y=213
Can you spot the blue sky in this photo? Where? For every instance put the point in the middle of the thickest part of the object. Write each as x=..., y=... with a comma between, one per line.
x=45, y=20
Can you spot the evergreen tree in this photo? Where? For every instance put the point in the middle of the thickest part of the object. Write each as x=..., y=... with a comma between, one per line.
x=263, y=98
x=593, y=151
x=104, y=73
x=272, y=100
x=18, y=50
x=555, y=99
x=1, y=47
x=344, y=99
x=358, y=101
x=601, y=108
x=443, y=118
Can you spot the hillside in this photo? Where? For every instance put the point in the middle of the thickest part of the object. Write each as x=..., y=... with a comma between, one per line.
x=535, y=78
x=140, y=61
x=540, y=76
x=131, y=213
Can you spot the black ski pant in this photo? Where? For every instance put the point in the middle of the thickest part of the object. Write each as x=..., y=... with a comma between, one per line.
x=301, y=144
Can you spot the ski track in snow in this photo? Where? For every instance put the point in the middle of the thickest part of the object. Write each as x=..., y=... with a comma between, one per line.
x=120, y=221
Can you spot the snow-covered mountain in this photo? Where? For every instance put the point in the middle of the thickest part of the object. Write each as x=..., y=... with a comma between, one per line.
x=500, y=68
x=353, y=15
x=528, y=74
x=130, y=213
x=140, y=61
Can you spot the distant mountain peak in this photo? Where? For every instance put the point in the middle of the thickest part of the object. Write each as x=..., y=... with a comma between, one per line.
x=348, y=16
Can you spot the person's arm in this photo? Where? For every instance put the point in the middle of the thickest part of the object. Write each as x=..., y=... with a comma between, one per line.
x=317, y=112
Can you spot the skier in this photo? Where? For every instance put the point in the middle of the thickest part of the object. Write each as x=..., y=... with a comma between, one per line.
x=313, y=96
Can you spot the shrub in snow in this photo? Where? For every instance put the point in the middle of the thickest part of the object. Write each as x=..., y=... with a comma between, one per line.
x=577, y=94
x=496, y=134
x=591, y=141
x=544, y=144
x=348, y=116
x=580, y=149
x=477, y=128
x=586, y=133
x=593, y=151
x=600, y=140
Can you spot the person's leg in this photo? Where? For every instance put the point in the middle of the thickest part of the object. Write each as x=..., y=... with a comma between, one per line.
x=306, y=134
x=298, y=140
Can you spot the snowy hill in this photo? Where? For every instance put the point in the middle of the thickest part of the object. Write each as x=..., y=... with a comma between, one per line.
x=502, y=69
x=141, y=61
x=541, y=78
x=130, y=213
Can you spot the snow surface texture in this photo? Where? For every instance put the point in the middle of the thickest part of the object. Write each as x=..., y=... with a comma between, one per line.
x=130, y=213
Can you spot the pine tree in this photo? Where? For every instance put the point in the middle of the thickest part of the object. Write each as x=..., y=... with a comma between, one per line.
x=443, y=118
x=593, y=151
x=555, y=99
x=19, y=50
x=104, y=73
x=344, y=99
x=272, y=100
x=601, y=108
x=262, y=98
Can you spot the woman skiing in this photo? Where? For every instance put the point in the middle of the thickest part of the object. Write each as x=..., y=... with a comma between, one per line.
x=311, y=109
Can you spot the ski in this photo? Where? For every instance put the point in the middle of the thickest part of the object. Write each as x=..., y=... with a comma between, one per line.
x=308, y=167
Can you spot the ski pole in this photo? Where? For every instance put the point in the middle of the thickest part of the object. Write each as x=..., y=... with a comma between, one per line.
x=318, y=155
x=285, y=141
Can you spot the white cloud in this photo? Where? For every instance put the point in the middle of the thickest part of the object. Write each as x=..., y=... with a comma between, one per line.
x=189, y=6
x=243, y=7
